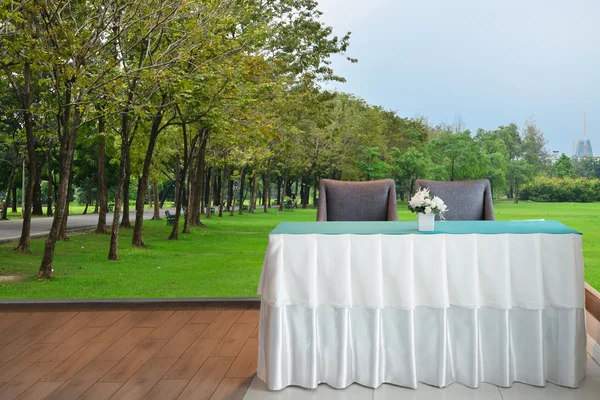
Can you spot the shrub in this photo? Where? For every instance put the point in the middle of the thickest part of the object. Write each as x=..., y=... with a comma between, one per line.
x=546, y=189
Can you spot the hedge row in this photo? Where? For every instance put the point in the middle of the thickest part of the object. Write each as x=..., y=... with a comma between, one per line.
x=561, y=189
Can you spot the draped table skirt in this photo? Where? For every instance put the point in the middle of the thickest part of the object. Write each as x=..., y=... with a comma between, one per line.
x=435, y=346
x=472, y=302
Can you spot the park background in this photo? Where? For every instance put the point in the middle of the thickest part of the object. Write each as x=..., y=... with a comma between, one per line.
x=226, y=114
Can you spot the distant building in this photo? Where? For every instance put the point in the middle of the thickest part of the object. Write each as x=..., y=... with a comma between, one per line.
x=582, y=148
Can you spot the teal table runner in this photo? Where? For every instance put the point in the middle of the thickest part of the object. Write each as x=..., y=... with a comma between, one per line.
x=407, y=228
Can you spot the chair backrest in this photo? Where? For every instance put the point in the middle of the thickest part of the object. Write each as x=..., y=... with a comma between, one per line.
x=357, y=201
x=466, y=200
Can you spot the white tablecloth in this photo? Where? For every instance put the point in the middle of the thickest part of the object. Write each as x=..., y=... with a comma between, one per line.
x=408, y=308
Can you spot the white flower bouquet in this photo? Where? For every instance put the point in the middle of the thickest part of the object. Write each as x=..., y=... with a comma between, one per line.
x=422, y=202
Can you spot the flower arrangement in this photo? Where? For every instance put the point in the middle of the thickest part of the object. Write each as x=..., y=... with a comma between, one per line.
x=422, y=202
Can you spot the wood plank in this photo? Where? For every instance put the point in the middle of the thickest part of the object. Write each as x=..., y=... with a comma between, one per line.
x=232, y=389
x=31, y=321
x=144, y=380
x=129, y=365
x=71, y=327
x=155, y=319
x=82, y=381
x=172, y=325
x=39, y=391
x=122, y=326
x=205, y=315
x=246, y=363
x=182, y=340
x=25, y=380
x=75, y=342
x=125, y=344
x=167, y=389
x=221, y=325
x=12, y=318
x=101, y=391
x=234, y=341
x=249, y=317
x=191, y=361
x=72, y=365
x=207, y=379
x=592, y=301
x=26, y=340
x=24, y=360
x=254, y=334
x=107, y=318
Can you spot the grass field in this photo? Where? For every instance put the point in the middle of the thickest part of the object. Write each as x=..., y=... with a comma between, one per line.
x=223, y=260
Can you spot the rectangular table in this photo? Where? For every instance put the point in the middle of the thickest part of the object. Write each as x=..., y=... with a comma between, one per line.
x=380, y=302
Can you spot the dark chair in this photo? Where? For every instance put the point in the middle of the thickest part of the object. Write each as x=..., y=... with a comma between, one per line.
x=357, y=201
x=466, y=200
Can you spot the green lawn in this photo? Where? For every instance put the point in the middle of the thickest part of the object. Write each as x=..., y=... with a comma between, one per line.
x=223, y=260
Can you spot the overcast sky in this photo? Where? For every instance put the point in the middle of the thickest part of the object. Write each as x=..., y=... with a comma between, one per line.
x=489, y=62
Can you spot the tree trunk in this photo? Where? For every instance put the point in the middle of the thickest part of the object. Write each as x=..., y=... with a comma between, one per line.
x=197, y=186
x=11, y=182
x=283, y=190
x=224, y=186
x=296, y=188
x=14, y=199
x=242, y=186
x=266, y=185
x=278, y=189
x=305, y=190
x=125, y=221
x=102, y=192
x=269, y=190
x=62, y=232
x=49, y=211
x=156, y=215
x=188, y=151
x=23, y=246
x=229, y=192
x=113, y=249
x=216, y=193
x=88, y=200
x=315, y=186
x=210, y=178
x=252, y=192
x=67, y=149
x=137, y=239
x=37, y=193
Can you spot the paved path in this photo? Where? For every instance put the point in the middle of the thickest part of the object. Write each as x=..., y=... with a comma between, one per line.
x=40, y=227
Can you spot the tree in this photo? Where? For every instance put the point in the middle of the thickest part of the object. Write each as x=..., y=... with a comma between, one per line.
x=409, y=166
x=534, y=147
x=563, y=167
x=588, y=167
x=519, y=172
x=19, y=52
x=458, y=156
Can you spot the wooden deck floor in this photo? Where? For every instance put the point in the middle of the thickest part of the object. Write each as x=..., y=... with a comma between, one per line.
x=205, y=351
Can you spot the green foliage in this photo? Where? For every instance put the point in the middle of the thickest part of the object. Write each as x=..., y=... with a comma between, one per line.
x=588, y=167
x=457, y=157
x=562, y=190
x=563, y=167
x=373, y=165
